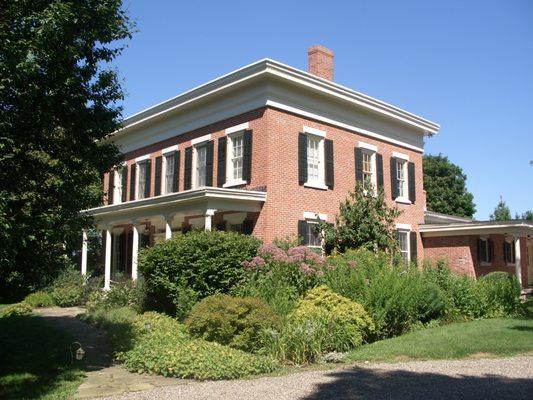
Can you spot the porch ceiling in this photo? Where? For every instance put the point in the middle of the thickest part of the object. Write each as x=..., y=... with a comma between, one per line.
x=191, y=202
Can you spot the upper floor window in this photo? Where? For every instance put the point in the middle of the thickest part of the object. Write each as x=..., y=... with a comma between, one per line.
x=368, y=167
x=170, y=168
x=402, y=178
x=237, y=146
x=120, y=186
x=315, y=159
x=142, y=167
x=201, y=165
x=401, y=182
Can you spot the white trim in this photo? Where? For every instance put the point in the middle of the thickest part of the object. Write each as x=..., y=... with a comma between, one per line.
x=237, y=128
x=314, y=131
x=402, y=200
x=314, y=216
x=169, y=149
x=368, y=146
x=405, y=227
x=237, y=182
x=200, y=139
x=316, y=185
x=142, y=158
x=402, y=156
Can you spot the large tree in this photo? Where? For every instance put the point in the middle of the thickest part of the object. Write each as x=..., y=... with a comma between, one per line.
x=58, y=100
x=528, y=215
x=501, y=212
x=445, y=185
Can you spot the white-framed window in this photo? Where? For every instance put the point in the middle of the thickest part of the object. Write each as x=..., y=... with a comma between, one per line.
x=235, y=158
x=313, y=236
x=404, y=243
x=141, y=179
x=509, y=251
x=401, y=179
x=169, y=168
x=200, y=165
x=315, y=160
x=484, y=250
x=369, y=170
x=119, y=186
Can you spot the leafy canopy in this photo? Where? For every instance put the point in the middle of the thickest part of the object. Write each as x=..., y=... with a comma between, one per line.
x=445, y=186
x=58, y=100
x=501, y=212
x=364, y=220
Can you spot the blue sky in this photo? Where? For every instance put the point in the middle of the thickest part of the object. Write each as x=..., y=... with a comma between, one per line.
x=467, y=65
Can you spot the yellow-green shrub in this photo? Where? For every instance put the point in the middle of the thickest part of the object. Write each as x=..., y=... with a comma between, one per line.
x=16, y=310
x=39, y=299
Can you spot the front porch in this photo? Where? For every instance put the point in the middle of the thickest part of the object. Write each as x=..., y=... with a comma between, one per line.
x=129, y=226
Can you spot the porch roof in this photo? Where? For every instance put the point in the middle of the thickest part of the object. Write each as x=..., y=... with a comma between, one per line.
x=195, y=201
x=513, y=227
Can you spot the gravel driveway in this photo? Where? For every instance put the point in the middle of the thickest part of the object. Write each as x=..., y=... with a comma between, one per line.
x=507, y=378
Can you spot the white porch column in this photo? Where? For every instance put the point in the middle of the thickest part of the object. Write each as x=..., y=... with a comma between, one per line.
x=518, y=270
x=84, y=253
x=135, y=252
x=209, y=219
x=168, y=227
x=107, y=265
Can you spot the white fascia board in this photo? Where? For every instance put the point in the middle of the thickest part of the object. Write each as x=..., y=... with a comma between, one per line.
x=473, y=228
x=200, y=139
x=368, y=146
x=170, y=149
x=237, y=128
x=312, y=215
x=267, y=66
x=402, y=156
x=314, y=131
x=405, y=227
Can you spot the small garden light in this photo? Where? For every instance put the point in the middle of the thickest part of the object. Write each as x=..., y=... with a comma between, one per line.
x=79, y=353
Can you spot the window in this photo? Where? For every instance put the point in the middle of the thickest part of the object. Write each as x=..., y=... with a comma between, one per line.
x=401, y=175
x=119, y=186
x=509, y=251
x=368, y=170
x=484, y=250
x=237, y=143
x=313, y=237
x=201, y=165
x=403, y=243
x=169, y=173
x=315, y=157
x=141, y=185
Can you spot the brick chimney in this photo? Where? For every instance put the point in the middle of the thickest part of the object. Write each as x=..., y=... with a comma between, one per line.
x=320, y=62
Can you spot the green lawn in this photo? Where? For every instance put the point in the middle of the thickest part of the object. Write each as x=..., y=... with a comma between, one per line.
x=35, y=360
x=480, y=338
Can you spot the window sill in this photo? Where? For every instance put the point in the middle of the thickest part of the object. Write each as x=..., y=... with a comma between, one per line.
x=511, y=264
x=238, y=182
x=402, y=200
x=316, y=185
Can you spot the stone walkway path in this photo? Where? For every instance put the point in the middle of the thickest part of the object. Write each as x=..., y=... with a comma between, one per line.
x=104, y=378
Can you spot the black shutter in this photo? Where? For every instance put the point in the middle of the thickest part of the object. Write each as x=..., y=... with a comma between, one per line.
x=247, y=157
x=358, y=154
x=480, y=250
x=124, y=193
x=412, y=246
x=302, y=158
x=148, y=178
x=393, y=178
x=491, y=249
x=187, y=170
x=176, y=177
x=209, y=164
x=158, y=172
x=379, y=171
x=221, y=164
x=302, y=231
x=110, y=186
x=132, y=181
x=411, y=182
x=248, y=226
x=329, y=172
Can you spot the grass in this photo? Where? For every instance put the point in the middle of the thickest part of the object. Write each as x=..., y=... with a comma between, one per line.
x=479, y=338
x=35, y=360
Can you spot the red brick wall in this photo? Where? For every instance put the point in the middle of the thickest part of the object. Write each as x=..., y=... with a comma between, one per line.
x=461, y=254
x=275, y=165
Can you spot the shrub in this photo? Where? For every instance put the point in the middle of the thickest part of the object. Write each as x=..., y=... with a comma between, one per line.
x=16, y=310
x=121, y=294
x=193, y=266
x=233, y=321
x=67, y=288
x=39, y=299
x=502, y=294
x=118, y=325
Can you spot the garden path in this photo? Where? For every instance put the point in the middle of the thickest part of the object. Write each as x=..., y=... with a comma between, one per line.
x=104, y=378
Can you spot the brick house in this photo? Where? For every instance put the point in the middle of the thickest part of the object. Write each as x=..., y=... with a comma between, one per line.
x=267, y=150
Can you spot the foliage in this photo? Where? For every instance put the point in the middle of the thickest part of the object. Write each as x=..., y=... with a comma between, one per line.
x=502, y=294
x=501, y=212
x=16, y=310
x=233, y=321
x=445, y=186
x=39, y=299
x=279, y=277
x=528, y=215
x=364, y=220
x=121, y=294
x=394, y=294
x=192, y=266
x=58, y=100
x=67, y=288
x=35, y=360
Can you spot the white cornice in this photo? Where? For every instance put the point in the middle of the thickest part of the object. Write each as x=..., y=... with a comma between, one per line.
x=476, y=228
x=267, y=69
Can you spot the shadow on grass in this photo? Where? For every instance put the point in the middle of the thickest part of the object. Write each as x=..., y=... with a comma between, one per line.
x=36, y=360
x=523, y=328
x=363, y=383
